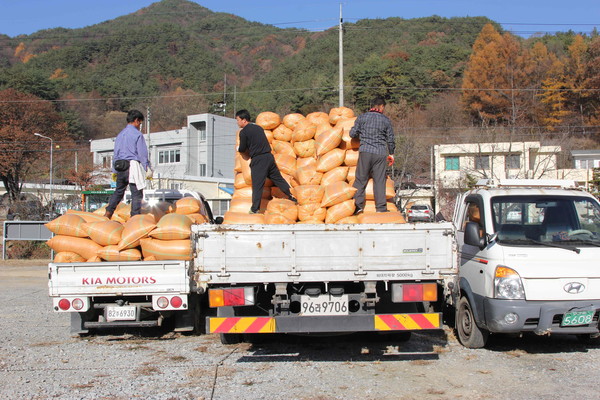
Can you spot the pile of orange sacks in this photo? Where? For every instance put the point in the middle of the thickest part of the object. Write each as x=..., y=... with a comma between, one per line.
x=161, y=232
x=317, y=157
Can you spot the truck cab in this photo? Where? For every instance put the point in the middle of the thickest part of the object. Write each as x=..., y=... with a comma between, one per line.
x=529, y=253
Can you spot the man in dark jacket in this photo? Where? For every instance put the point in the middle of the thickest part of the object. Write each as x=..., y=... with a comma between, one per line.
x=377, y=146
x=262, y=165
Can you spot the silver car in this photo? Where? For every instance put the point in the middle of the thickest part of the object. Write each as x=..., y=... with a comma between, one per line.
x=420, y=212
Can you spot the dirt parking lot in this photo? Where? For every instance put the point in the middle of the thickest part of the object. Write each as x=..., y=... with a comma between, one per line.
x=40, y=360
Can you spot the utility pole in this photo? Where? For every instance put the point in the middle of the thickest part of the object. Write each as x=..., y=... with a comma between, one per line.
x=341, y=59
x=148, y=114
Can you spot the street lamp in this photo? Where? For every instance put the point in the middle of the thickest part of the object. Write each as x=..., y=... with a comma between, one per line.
x=51, y=148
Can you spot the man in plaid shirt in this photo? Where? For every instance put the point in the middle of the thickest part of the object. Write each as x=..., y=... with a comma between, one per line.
x=377, y=146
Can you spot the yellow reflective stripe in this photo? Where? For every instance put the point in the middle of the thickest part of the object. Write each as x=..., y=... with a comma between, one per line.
x=242, y=325
x=407, y=321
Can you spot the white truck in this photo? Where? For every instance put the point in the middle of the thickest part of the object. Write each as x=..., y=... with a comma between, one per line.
x=504, y=265
x=529, y=254
x=272, y=279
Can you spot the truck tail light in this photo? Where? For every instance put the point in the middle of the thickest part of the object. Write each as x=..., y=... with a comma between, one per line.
x=243, y=296
x=412, y=292
x=71, y=304
x=64, y=304
x=169, y=302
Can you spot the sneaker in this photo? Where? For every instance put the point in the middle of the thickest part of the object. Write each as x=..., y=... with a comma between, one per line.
x=252, y=212
x=358, y=211
x=108, y=214
x=292, y=198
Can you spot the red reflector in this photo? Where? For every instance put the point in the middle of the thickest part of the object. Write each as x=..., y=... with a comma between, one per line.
x=64, y=304
x=176, y=302
x=233, y=297
x=426, y=211
x=412, y=292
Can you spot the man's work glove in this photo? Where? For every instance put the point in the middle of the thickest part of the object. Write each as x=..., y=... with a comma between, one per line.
x=390, y=160
x=149, y=174
x=113, y=177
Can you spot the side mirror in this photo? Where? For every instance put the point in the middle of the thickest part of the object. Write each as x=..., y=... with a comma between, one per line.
x=219, y=220
x=472, y=236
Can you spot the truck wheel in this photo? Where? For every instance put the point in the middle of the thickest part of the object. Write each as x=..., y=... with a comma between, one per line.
x=469, y=333
x=231, y=338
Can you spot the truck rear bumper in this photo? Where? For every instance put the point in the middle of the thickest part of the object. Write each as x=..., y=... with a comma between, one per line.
x=325, y=324
x=541, y=317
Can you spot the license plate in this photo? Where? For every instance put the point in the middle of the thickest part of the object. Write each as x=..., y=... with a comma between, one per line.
x=576, y=318
x=324, y=305
x=124, y=313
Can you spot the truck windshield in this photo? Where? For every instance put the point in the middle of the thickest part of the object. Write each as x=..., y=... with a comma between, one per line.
x=543, y=220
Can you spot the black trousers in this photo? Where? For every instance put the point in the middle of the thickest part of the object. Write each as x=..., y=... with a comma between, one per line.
x=370, y=166
x=262, y=167
x=117, y=196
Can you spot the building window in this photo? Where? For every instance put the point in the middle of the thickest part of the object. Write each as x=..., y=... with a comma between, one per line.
x=219, y=207
x=202, y=169
x=169, y=156
x=176, y=186
x=107, y=161
x=452, y=164
x=513, y=161
x=482, y=162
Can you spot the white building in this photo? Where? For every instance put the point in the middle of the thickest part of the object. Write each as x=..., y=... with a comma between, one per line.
x=458, y=165
x=198, y=157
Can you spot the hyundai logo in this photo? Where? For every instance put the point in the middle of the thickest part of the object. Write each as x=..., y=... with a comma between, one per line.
x=574, y=287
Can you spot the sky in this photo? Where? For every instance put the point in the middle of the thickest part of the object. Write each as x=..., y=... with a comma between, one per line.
x=522, y=17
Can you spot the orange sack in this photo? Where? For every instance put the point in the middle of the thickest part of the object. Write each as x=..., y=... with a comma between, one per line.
x=336, y=193
x=233, y=218
x=308, y=175
x=330, y=160
x=291, y=120
x=328, y=140
x=334, y=175
x=172, y=227
x=88, y=216
x=311, y=211
x=86, y=248
x=112, y=253
x=188, y=205
x=105, y=233
x=68, y=257
x=268, y=120
x=305, y=148
x=69, y=225
x=281, y=147
x=285, y=207
x=339, y=211
x=282, y=133
x=167, y=249
x=309, y=193
x=136, y=228
x=381, y=218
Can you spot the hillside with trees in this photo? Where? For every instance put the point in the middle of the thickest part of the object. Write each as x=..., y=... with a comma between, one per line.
x=445, y=79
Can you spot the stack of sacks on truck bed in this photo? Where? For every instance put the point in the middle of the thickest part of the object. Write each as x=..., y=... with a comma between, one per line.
x=160, y=233
x=317, y=157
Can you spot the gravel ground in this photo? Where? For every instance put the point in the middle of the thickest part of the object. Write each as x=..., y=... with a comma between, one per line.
x=40, y=360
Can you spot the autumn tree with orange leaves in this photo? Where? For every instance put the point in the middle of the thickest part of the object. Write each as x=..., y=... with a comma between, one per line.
x=22, y=115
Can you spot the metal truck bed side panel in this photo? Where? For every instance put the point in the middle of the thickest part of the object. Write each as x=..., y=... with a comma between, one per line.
x=262, y=253
x=118, y=278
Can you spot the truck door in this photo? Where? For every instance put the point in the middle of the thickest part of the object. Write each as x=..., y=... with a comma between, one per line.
x=473, y=260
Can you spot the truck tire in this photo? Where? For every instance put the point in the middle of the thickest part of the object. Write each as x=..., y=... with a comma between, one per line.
x=469, y=334
x=231, y=338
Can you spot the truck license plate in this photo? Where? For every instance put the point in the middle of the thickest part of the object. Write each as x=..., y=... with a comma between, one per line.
x=324, y=305
x=576, y=318
x=123, y=313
